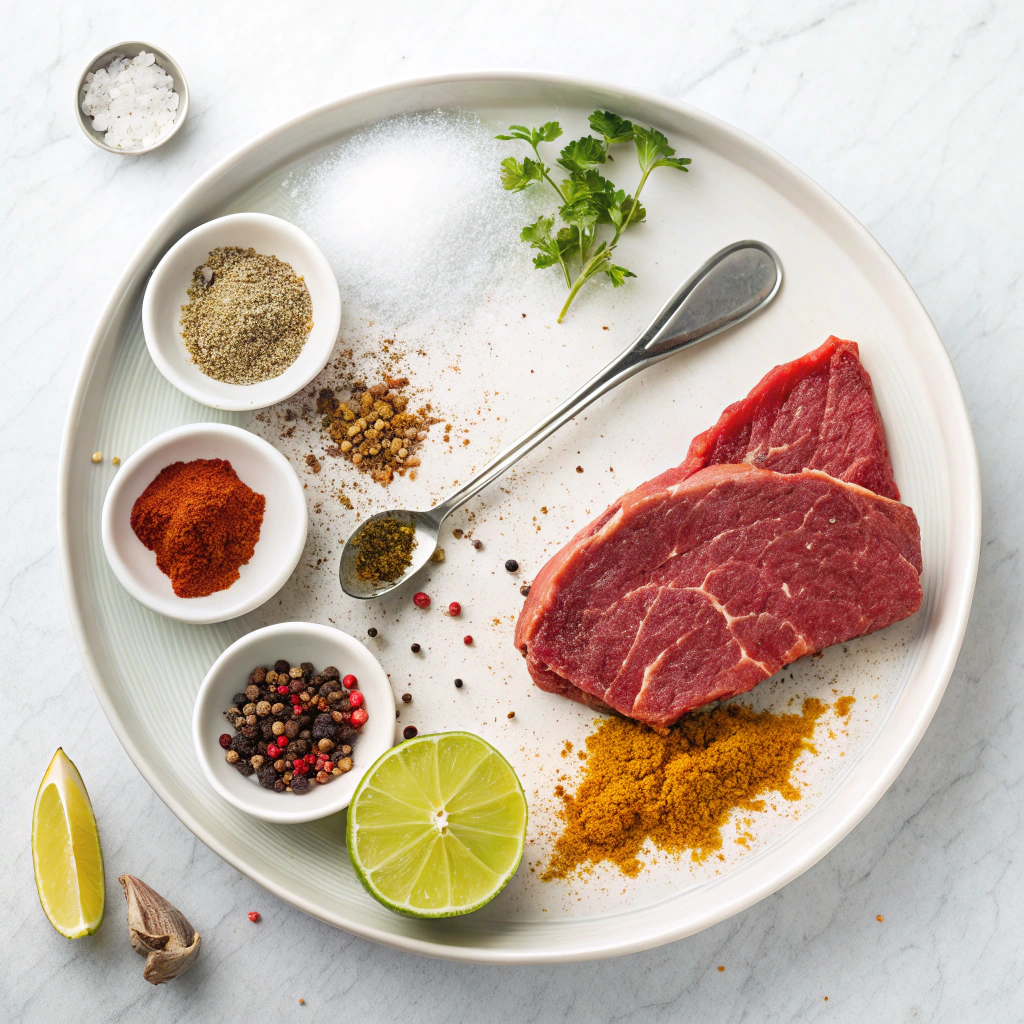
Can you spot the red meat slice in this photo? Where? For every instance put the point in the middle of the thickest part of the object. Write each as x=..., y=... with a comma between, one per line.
x=817, y=412
x=698, y=591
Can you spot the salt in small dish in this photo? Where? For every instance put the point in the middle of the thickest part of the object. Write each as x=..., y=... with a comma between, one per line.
x=132, y=49
x=282, y=535
x=167, y=292
x=295, y=642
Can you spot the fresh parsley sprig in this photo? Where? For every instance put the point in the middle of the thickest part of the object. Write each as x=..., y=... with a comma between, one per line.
x=587, y=199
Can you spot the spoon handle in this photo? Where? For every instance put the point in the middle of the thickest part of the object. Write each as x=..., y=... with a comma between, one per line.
x=735, y=283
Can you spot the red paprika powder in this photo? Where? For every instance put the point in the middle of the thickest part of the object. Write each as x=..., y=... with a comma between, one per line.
x=202, y=522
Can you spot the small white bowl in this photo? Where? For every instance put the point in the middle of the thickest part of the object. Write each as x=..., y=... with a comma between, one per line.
x=133, y=49
x=295, y=642
x=167, y=292
x=282, y=535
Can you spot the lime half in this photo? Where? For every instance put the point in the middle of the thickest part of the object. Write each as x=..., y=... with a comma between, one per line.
x=437, y=825
x=66, y=851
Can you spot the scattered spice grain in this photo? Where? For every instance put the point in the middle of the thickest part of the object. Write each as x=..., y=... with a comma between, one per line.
x=410, y=731
x=676, y=790
x=97, y=456
x=375, y=429
x=511, y=565
x=415, y=648
x=406, y=698
x=247, y=318
x=458, y=684
x=372, y=631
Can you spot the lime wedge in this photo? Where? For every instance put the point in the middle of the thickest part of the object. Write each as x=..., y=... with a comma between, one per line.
x=437, y=825
x=66, y=851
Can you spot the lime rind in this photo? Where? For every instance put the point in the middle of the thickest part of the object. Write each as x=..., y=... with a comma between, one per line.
x=404, y=859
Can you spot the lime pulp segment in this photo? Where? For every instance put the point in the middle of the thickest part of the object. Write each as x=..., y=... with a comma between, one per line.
x=437, y=825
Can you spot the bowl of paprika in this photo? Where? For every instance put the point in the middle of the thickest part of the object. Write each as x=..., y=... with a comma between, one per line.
x=204, y=523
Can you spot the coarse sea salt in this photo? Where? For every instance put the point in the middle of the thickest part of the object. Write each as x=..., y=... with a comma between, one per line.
x=132, y=100
x=412, y=216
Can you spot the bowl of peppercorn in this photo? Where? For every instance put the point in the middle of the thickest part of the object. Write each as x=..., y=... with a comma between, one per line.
x=289, y=718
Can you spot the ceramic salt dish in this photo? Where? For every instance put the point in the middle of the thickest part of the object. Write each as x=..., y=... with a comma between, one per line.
x=295, y=642
x=282, y=534
x=167, y=292
x=132, y=49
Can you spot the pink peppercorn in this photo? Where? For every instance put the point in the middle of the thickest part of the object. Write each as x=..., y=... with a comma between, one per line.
x=421, y=600
x=253, y=915
x=300, y=768
x=272, y=751
x=282, y=689
x=225, y=740
x=359, y=718
x=311, y=759
x=356, y=699
x=467, y=640
x=454, y=609
x=296, y=699
x=349, y=681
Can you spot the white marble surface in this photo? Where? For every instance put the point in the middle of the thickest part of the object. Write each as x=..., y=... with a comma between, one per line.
x=910, y=114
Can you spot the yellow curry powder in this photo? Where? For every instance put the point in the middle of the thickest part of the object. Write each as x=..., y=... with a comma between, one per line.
x=679, y=789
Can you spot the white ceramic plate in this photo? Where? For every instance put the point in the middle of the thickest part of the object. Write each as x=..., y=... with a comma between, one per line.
x=167, y=292
x=296, y=642
x=491, y=377
x=282, y=533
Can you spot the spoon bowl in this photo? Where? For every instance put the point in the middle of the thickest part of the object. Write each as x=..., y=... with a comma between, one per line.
x=737, y=282
x=427, y=526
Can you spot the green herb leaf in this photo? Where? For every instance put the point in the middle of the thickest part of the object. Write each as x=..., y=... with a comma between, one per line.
x=516, y=176
x=653, y=150
x=618, y=275
x=552, y=249
x=583, y=154
x=615, y=129
x=547, y=132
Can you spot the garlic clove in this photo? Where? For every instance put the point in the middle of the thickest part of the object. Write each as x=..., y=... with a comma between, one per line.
x=159, y=932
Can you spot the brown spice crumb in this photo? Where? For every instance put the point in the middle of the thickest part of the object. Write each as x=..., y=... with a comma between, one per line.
x=879, y=918
x=721, y=967
x=579, y=469
x=376, y=429
x=313, y=462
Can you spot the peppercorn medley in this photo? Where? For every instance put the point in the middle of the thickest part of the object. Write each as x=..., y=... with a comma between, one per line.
x=295, y=728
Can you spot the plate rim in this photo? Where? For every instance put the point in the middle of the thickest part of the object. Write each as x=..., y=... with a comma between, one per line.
x=504, y=955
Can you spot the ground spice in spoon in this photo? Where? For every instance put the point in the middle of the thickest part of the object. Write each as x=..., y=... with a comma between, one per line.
x=384, y=550
x=679, y=789
x=203, y=523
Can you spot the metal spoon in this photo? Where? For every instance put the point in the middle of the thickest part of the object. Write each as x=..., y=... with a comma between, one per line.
x=735, y=283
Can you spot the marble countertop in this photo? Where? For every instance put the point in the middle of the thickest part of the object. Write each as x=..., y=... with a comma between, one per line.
x=910, y=115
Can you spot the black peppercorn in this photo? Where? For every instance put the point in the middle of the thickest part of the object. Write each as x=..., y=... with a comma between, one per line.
x=307, y=668
x=266, y=775
x=406, y=698
x=240, y=700
x=511, y=565
x=478, y=544
x=300, y=784
x=415, y=648
x=331, y=673
x=458, y=684
x=409, y=731
x=258, y=676
x=281, y=666
x=372, y=631
x=280, y=786
x=244, y=768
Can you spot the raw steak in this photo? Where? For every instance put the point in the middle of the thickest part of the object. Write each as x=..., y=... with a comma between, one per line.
x=816, y=412
x=697, y=591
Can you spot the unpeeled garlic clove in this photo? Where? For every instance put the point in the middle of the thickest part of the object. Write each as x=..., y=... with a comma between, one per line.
x=159, y=932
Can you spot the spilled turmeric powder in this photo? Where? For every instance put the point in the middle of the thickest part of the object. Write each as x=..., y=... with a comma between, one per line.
x=677, y=790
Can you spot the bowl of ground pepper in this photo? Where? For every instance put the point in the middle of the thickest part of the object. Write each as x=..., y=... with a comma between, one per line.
x=242, y=312
x=204, y=523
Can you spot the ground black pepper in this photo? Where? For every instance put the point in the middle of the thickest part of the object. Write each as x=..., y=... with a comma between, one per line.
x=384, y=549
